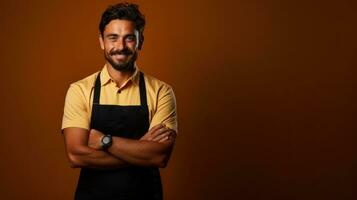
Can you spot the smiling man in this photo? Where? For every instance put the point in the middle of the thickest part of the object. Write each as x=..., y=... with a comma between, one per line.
x=119, y=124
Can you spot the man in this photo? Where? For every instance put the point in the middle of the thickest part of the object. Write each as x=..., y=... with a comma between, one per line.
x=119, y=124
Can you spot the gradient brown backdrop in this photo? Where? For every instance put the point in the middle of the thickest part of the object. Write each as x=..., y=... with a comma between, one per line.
x=266, y=94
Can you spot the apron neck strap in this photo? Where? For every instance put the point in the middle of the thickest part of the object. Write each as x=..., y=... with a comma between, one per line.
x=143, y=99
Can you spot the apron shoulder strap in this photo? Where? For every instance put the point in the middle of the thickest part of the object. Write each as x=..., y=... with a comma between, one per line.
x=96, y=90
x=142, y=86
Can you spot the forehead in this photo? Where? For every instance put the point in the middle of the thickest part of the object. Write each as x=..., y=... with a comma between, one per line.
x=120, y=27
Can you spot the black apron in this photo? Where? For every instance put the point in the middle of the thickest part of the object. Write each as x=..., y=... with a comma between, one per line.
x=127, y=183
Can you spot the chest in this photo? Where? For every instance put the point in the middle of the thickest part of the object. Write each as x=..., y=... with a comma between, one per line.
x=126, y=97
x=131, y=121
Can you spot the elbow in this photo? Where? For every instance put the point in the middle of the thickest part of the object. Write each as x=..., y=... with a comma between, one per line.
x=162, y=165
x=74, y=161
x=160, y=161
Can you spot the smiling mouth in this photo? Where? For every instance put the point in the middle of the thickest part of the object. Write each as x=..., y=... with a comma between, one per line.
x=119, y=56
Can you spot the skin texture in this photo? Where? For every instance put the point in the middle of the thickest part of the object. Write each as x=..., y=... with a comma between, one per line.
x=119, y=45
x=83, y=146
x=153, y=149
x=81, y=155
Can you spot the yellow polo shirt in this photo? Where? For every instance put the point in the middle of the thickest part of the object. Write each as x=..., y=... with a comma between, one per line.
x=79, y=99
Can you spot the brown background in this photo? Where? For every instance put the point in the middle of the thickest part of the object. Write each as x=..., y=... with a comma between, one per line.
x=265, y=89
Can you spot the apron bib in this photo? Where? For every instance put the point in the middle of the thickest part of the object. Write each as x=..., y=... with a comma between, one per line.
x=129, y=183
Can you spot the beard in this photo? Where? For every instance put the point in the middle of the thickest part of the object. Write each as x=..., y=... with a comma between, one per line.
x=121, y=66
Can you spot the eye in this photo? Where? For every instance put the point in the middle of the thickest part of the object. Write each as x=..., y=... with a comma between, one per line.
x=112, y=38
x=130, y=38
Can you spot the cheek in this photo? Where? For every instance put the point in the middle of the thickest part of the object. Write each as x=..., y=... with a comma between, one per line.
x=108, y=47
x=130, y=44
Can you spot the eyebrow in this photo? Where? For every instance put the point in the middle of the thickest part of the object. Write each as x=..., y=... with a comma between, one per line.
x=112, y=34
x=116, y=35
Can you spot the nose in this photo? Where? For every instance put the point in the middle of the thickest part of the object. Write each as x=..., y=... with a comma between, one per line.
x=120, y=44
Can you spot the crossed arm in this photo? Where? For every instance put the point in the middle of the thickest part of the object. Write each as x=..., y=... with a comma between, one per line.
x=83, y=149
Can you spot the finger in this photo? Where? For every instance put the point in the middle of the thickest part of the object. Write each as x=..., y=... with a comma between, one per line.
x=164, y=139
x=168, y=132
x=160, y=131
x=155, y=128
x=95, y=132
x=92, y=132
x=163, y=135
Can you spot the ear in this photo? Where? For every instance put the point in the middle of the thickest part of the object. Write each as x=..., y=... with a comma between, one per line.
x=101, y=41
x=141, y=41
x=137, y=36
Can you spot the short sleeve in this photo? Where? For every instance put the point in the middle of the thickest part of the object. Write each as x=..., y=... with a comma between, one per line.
x=75, y=112
x=166, y=109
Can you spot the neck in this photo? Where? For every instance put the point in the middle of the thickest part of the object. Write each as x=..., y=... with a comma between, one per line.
x=119, y=76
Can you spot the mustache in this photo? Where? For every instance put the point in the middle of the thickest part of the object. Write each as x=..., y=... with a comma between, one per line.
x=125, y=51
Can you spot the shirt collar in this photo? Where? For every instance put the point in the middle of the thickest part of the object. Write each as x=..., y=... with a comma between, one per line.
x=105, y=77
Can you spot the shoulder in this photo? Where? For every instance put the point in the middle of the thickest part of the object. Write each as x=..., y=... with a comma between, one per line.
x=82, y=88
x=155, y=84
x=86, y=83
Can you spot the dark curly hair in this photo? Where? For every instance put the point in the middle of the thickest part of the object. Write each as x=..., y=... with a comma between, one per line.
x=126, y=11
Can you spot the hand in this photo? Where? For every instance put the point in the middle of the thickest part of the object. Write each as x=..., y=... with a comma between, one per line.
x=95, y=139
x=159, y=133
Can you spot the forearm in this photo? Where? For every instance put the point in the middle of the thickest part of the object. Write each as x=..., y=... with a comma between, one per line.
x=141, y=152
x=87, y=157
